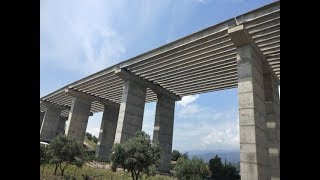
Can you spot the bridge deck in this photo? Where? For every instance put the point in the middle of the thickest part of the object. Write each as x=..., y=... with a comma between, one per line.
x=202, y=62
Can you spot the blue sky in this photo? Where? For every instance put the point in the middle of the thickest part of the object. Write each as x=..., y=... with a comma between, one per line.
x=81, y=37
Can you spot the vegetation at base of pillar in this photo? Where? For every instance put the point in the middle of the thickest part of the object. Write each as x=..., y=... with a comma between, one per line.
x=95, y=139
x=45, y=155
x=185, y=155
x=175, y=155
x=66, y=151
x=222, y=172
x=89, y=136
x=194, y=169
x=136, y=155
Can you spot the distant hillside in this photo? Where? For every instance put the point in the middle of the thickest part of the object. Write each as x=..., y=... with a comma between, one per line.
x=230, y=156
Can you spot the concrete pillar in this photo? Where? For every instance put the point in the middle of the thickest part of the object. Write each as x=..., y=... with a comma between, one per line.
x=272, y=101
x=253, y=150
x=41, y=118
x=48, y=130
x=163, y=130
x=107, y=132
x=61, y=125
x=78, y=118
x=252, y=112
x=131, y=111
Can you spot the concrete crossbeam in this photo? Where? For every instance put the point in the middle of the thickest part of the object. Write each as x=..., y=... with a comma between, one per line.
x=89, y=97
x=50, y=104
x=254, y=159
x=240, y=37
x=131, y=110
x=107, y=132
x=78, y=118
x=163, y=130
x=125, y=75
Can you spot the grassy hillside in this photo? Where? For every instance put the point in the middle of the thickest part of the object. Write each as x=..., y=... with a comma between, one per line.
x=91, y=144
x=98, y=174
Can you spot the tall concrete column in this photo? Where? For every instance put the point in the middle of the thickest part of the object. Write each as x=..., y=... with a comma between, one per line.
x=252, y=112
x=272, y=102
x=48, y=130
x=61, y=125
x=163, y=130
x=41, y=118
x=78, y=118
x=107, y=132
x=131, y=111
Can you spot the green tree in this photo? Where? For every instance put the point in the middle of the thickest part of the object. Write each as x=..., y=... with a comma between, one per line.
x=45, y=155
x=89, y=136
x=191, y=169
x=216, y=168
x=175, y=155
x=95, y=139
x=222, y=172
x=136, y=155
x=66, y=151
x=231, y=172
x=185, y=155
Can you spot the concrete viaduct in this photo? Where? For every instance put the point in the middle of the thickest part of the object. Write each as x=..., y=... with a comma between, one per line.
x=242, y=52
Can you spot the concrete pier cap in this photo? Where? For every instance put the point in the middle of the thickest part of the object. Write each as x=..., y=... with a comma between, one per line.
x=126, y=75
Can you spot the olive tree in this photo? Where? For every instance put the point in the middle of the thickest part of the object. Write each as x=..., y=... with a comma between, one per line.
x=136, y=155
x=191, y=169
x=45, y=155
x=66, y=151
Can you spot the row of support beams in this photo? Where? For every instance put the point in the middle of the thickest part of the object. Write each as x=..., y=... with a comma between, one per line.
x=120, y=123
x=78, y=123
x=132, y=109
x=258, y=113
x=89, y=97
x=259, y=144
x=126, y=76
x=80, y=111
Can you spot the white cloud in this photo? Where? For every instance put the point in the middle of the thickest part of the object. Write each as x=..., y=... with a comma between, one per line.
x=189, y=110
x=225, y=135
x=88, y=36
x=187, y=100
x=186, y=107
x=207, y=130
x=94, y=122
x=78, y=36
